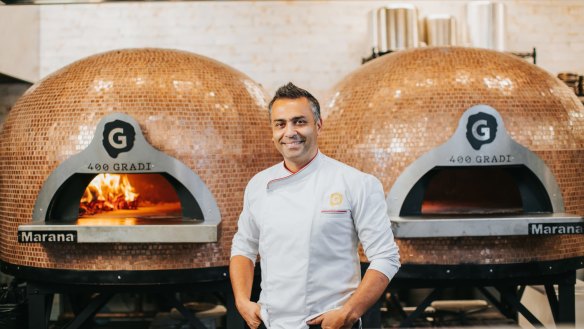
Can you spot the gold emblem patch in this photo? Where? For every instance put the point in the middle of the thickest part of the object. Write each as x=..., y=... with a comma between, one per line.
x=336, y=199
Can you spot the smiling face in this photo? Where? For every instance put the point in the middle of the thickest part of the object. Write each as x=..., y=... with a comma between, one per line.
x=295, y=131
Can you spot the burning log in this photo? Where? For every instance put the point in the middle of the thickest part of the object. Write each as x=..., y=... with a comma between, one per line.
x=108, y=192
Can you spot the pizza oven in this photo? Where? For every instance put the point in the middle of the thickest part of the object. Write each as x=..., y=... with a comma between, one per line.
x=130, y=161
x=480, y=154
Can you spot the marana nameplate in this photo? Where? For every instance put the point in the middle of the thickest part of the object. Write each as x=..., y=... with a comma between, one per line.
x=555, y=228
x=47, y=236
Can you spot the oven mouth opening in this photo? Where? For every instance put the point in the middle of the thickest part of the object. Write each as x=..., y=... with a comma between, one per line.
x=123, y=199
x=478, y=201
x=477, y=192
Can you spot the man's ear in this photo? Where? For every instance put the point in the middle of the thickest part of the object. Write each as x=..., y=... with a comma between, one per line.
x=318, y=126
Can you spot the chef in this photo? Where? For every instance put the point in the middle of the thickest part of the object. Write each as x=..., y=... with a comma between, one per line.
x=305, y=217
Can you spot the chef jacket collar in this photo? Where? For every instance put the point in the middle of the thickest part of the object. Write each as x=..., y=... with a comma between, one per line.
x=293, y=177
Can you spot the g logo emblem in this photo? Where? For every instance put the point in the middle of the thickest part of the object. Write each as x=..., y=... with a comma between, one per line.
x=481, y=129
x=118, y=137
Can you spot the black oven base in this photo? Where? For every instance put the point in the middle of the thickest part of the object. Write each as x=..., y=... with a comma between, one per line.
x=146, y=277
x=419, y=274
x=508, y=280
x=42, y=284
x=476, y=272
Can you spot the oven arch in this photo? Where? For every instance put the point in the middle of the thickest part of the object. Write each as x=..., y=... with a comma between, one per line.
x=73, y=175
x=455, y=152
x=534, y=178
x=186, y=182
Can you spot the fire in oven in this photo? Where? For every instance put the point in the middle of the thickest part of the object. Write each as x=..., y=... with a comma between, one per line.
x=121, y=189
x=479, y=183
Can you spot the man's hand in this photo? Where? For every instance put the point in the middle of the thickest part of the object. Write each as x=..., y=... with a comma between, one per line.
x=367, y=293
x=241, y=274
x=250, y=312
x=335, y=319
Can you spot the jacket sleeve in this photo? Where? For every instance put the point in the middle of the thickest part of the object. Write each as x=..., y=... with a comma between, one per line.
x=374, y=227
x=246, y=239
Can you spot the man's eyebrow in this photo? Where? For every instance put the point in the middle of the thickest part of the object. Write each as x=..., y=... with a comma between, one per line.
x=291, y=119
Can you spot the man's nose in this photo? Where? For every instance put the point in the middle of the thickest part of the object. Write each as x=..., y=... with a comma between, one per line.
x=290, y=131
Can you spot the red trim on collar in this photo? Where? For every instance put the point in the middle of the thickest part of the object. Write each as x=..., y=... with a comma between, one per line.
x=294, y=173
x=284, y=163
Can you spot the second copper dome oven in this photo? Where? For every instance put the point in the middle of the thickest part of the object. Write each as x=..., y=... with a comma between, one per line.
x=410, y=118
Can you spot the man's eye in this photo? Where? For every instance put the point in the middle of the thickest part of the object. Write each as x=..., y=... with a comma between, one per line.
x=279, y=125
x=301, y=122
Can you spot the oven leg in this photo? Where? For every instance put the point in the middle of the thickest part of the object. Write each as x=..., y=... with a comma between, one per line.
x=567, y=300
x=89, y=311
x=39, y=306
x=552, y=300
x=509, y=294
x=234, y=320
x=395, y=303
x=421, y=308
x=196, y=323
x=503, y=309
x=372, y=318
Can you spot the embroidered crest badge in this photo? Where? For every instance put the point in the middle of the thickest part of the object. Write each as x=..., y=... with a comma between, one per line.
x=336, y=199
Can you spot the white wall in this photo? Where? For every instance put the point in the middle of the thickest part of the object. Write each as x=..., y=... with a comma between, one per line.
x=313, y=43
x=19, y=42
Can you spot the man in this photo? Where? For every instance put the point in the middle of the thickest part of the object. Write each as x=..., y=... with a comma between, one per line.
x=305, y=217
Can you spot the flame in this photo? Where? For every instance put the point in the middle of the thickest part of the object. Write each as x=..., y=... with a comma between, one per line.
x=108, y=192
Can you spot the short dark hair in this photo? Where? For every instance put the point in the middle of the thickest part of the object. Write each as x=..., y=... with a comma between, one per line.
x=290, y=91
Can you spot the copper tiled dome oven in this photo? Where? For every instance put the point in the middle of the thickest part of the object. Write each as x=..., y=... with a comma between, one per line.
x=129, y=167
x=480, y=154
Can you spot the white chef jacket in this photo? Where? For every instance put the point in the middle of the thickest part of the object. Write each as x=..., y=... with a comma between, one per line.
x=306, y=227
